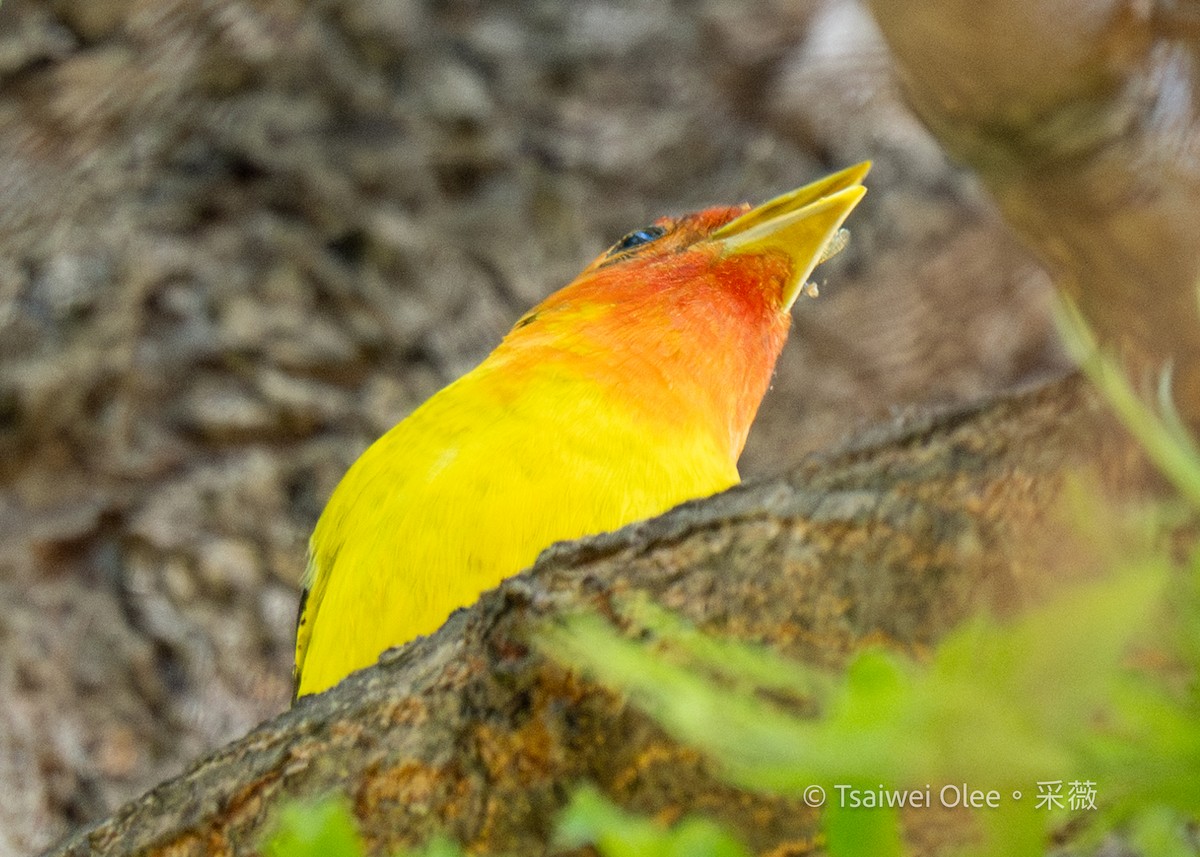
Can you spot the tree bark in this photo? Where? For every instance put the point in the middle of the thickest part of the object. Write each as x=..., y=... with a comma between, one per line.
x=471, y=732
x=241, y=239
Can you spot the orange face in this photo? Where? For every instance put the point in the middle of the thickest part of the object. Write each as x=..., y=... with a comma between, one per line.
x=685, y=318
x=671, y=323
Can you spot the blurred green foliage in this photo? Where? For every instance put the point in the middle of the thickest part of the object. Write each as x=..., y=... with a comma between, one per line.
x=317, y=829
x=326, y=828
x=591, y=819
x=1058, y=694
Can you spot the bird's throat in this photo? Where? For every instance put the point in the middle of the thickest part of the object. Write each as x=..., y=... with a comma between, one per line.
x=704, y=371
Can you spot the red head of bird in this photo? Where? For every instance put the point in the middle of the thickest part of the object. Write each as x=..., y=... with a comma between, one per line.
x=687, y=316
x=625, y=393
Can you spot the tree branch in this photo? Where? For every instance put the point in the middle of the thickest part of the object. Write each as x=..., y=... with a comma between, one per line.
x=895, y=538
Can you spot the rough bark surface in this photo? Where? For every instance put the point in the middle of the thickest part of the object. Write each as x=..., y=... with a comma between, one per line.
x=471, y=732
x=239, y=240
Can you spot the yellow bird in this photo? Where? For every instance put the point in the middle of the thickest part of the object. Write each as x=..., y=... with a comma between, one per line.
x=623, y=394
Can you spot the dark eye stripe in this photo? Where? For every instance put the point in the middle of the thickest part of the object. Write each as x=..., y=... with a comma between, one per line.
x=638, y=238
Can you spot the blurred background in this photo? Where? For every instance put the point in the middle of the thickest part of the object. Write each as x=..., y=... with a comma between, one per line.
x=239, y=239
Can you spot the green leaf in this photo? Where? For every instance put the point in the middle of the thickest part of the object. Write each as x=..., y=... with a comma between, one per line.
x=861, y=832
x=1167, y=443
x=1161, y=833
x=749, y=666
x=315, y=829
x=590, y=819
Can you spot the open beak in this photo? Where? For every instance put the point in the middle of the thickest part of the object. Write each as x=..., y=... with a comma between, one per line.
x=800, y=223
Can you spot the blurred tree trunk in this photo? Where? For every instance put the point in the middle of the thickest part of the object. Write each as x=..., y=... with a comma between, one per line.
x=895, y=538
x=1081, y=118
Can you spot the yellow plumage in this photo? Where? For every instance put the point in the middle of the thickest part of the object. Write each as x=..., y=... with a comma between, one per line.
x=619, y=397
x=484, y=491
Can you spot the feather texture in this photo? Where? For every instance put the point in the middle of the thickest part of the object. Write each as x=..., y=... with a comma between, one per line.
x=625, y=393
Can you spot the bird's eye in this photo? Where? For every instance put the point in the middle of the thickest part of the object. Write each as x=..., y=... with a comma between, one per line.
x=638, y=238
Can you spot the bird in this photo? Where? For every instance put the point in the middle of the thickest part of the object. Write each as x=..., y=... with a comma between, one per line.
x=625, y=393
